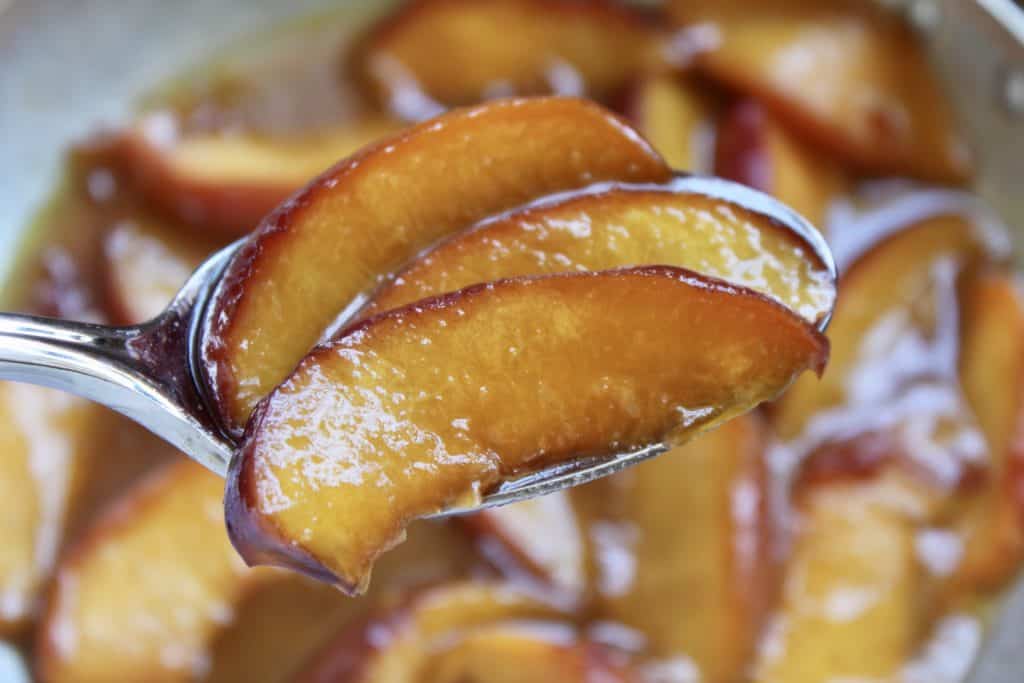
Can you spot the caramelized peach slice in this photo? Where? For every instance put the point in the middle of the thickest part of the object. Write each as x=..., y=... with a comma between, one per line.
x=115, y=572
x=850, y=607
x=227, y=183
x=374, y=212
x=894, y=342
x=150, y=592
x=147, y=262
x=621, y=225
x=395, y=419
x=677, y=117
x=696, y=525
x=752, y=148
x=436, y=53
x=846, y=75
x=449, y=632
x=992, y=375
x=45, y=445
x=61, y=458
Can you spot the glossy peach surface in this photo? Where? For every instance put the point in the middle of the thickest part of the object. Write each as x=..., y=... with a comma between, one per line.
x=440, y=53
x=377, y=427
x=312, y=256
x=619, y=226
x=850, y=77
x=227, y=183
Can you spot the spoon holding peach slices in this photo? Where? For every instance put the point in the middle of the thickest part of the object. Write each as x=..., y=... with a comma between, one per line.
x=491, y=305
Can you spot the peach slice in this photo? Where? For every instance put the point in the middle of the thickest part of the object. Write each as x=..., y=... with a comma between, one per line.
x=894, y=339
x=374, y=212
x=151, y=591
x=45, y=444
x=620, y=225
x=227, y=183
x=992, y=375
x=459, y=632
x=677, y=117
x=437, y=53
x=850, y=607
x=147, y=262
x=59, y=456
x=848, y=76
x=696, y=526
x=173, y=516
x=753, y=149
x=396, y=419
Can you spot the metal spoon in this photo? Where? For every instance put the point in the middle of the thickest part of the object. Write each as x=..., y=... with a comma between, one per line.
x=150, y=372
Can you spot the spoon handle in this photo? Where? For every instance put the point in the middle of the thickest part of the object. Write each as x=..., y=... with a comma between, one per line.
x=122, y=368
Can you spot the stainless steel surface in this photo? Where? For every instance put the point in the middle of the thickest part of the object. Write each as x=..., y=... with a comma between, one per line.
x=150, y=373
x=67, y=66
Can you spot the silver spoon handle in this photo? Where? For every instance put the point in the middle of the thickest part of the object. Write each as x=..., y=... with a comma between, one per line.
x=117, y=367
